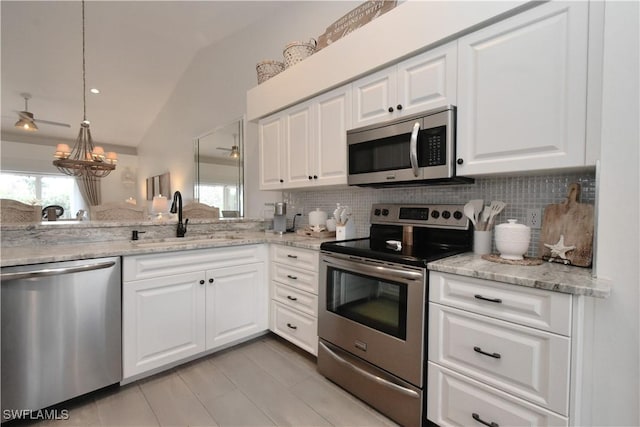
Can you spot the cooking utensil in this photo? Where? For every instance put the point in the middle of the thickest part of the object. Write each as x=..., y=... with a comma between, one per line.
x=344, y=215
x=337, y=212
x=470, y=213
x=477, y=204
x=574, y=221
x=494, y=209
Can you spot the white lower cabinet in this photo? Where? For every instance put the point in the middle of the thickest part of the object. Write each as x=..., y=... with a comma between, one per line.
x=457, y=400
x=171, y=317
x=294, y=296
x=487, y=364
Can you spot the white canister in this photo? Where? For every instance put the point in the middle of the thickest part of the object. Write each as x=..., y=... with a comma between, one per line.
x=512, y=239
x=317, y=217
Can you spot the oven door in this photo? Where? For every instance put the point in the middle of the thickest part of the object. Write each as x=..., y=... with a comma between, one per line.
x=375, y=311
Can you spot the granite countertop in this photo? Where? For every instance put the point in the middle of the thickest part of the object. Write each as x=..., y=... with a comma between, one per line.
x=548, y=276
x=36, y=254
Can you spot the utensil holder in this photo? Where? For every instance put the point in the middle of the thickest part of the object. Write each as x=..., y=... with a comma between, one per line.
x=482, y=242
x=346, y=231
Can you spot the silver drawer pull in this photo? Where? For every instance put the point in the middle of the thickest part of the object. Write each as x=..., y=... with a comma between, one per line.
x=289, y=325
x=481, y=421
x=292, y=298
x=292, y=277
x=494, y=355
x=292, y=256
x=496, y=300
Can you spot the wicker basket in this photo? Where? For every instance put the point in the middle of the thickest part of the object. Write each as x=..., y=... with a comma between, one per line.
x=297, y=51
x=267, y=69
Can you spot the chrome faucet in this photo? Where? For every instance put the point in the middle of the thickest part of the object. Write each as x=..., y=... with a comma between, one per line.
x=176, y=207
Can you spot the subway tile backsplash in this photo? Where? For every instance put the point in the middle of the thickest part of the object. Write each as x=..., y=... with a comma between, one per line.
x=519, y=193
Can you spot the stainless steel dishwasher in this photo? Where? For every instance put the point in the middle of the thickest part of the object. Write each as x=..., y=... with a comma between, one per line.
x=61, y=331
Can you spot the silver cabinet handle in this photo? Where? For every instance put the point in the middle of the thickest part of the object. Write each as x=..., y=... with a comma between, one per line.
x=369, y=375
x=55, y=271
x=413, y=148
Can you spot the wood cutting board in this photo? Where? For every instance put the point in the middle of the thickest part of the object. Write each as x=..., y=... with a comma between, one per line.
x=574, y=221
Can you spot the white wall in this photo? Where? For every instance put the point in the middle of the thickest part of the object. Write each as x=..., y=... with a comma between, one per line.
x=616, y=387
x=212, y=92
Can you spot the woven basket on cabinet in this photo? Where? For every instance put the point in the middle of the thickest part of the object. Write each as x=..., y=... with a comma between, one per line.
x=297, y=51
x=267, y=69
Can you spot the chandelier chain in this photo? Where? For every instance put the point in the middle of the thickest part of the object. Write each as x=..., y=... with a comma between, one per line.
x=84, y=83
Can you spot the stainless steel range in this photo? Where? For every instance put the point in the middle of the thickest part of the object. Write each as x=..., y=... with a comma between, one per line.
x=372, y=318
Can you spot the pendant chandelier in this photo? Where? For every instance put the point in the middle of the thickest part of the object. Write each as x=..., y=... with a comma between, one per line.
x=84, y=159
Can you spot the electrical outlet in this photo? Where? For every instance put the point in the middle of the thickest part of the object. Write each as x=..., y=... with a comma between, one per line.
x=534, y=218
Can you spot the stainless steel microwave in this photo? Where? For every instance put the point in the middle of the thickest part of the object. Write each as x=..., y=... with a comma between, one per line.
x=412, y=150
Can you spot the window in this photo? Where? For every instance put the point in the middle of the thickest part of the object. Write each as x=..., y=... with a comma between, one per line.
x=224, y=197
x=42, y=189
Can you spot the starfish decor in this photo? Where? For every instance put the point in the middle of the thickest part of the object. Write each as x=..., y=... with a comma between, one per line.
x=559, y=249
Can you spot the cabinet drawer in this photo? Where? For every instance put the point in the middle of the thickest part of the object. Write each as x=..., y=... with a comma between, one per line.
x=546, y=310
x=523, y=361
x=139, y=267
x=294, y=326
x=304, y=280
x=295, y=257
x=294, y=298
x=453, y=399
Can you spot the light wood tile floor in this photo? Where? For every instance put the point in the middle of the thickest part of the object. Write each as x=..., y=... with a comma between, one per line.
x=265, y=382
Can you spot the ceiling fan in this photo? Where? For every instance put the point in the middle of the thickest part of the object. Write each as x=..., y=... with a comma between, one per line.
x=234, y=152
x=27, y=120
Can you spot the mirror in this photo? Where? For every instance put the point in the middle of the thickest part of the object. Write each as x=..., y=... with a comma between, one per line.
x=219, y=169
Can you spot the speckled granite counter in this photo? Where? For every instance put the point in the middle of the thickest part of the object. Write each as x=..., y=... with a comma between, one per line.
x=34, y=254
x=549, y=276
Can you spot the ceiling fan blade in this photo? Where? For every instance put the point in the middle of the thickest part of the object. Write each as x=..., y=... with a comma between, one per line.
x=48, y=122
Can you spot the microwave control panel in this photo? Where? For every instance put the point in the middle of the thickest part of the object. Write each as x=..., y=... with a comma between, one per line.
x=434, y=146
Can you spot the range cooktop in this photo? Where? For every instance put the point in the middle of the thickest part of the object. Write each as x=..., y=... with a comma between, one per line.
x=410, y=234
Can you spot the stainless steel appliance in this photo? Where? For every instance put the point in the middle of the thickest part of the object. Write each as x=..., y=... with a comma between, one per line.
x=412, y=150
x=280, y=218
x=372, y=315
x=61, y=332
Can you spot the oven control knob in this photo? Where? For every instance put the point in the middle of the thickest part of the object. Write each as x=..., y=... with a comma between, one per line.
x=385, y=212
x=376, y=212
x=446, y=214
x=457, y=215
x=435, y=214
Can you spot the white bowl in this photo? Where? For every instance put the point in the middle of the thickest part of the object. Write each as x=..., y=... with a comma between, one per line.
x=512, y=239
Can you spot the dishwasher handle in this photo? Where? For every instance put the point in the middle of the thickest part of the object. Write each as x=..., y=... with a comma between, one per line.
x=55, y=271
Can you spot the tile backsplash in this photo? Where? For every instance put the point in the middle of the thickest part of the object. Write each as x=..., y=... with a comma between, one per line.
x=519, y=193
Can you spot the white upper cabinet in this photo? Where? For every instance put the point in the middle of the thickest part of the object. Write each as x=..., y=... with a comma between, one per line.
x=522, y=87
x=421, y=83
x=299, y=134
x=305, y=145
x=329, y=154
x=271, y=149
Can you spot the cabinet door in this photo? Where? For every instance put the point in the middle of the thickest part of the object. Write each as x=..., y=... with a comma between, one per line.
x=162, y=321
x=428, y=80
x=329, y=155
x=374, y=96
x=522, y=92
x=299, y=134
x=237, y=303
x=271, y=141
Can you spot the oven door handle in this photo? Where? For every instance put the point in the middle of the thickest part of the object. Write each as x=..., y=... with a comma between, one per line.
x=413, y=148
x=369, y=375
x=376, y=270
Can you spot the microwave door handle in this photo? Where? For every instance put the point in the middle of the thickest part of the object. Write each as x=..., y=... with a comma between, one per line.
x=413, y=148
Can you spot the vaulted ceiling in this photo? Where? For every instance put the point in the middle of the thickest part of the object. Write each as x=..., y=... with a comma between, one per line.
x=136, y=52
